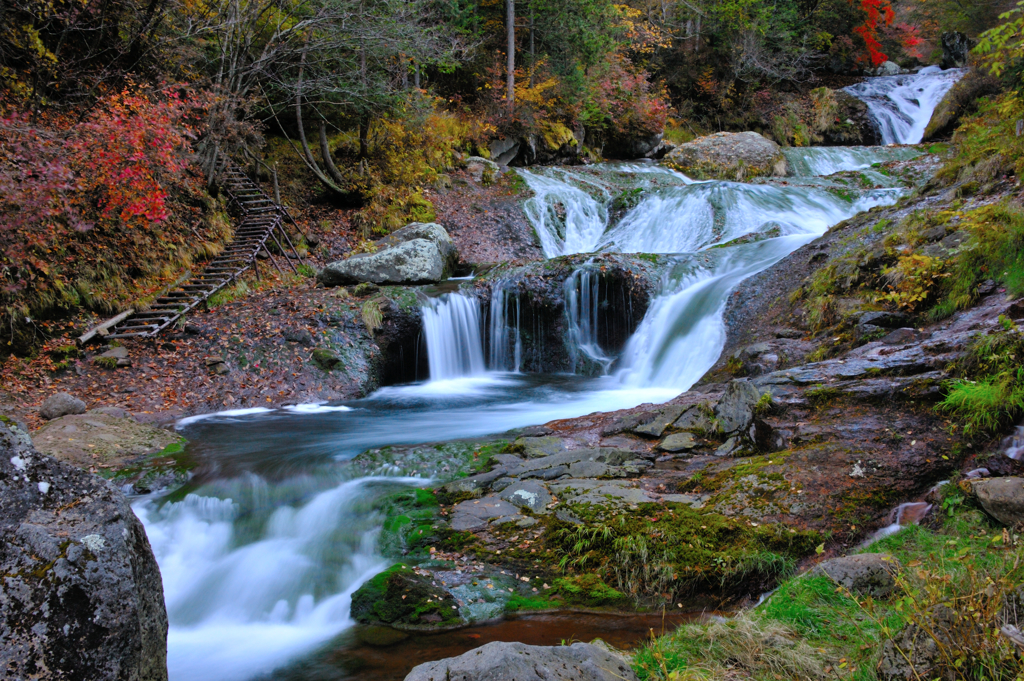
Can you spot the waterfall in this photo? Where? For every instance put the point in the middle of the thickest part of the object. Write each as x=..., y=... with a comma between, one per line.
x=822, y=161
x=451, y=325
x=506, y=341
x=567, y=218
x=902, y=106
x=237, y=604
x=582, y=297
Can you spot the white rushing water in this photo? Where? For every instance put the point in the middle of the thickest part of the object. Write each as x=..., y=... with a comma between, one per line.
x=902, y=105
x=238, y=605
x=451, y=325
x=582, y=295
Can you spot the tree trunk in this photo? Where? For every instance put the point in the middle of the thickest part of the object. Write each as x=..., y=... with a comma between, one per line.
x=364, y=133
x=510, y=27
x=533, y=53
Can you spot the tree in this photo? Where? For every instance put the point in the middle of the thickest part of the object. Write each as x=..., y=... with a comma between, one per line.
x=510, y=34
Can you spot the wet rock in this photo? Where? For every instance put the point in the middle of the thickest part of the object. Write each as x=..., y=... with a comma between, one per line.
x=61, y=404
x=477, y=514
x=661, y=420
x=501, y=661
x=729, y=156
x=888, y=320
x=866, y=574
x=1002, y=498
x=82, y=596
x=538, y=447
x=98, y=439
x=412, y=262
x=678, y=442
x=472, y=487
x=529, y=494
x=956, y=49
x=961, y=100
x=901, y=337
x=404, y=598
x=612, y=493
x=735, y=411
x=853, y=124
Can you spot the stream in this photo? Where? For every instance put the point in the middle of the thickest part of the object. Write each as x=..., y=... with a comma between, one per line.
x=260, y=559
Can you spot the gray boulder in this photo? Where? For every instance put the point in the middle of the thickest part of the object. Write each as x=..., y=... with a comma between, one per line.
x=482, y=169
x=501, y=661
x=1002, y=498
x=82, y=596
x=412, y=262
x=729, y=156
x=61, y=404
x=866, y=574
x=432, y=232
x=888, y=68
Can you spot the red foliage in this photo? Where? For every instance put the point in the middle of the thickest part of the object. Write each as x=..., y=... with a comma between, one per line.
x=877, y=12
x=106, y=176
x=630, y=102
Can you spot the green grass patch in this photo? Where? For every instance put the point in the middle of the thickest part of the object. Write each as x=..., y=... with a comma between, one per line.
x=811, y=628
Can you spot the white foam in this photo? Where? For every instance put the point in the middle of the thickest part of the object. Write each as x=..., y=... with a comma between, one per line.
x=315, y=408
x=188, y=420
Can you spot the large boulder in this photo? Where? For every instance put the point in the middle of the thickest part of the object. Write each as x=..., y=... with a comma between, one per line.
x=728, y=156
x=866, y=574
x=915, y=652
x=432, y=232
x=61, y=404
x=1002, y=498
x=411, y=262
x=82, y=596
x=501, y=661
x=960, y=101
x=956, y=50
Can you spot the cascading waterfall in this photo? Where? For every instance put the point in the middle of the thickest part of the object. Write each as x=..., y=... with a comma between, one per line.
x=238, y=604
x=451, y=326
x=506, y=341
x=823, y=161
x=901, y=106
x=260, y=570
x=582, y=296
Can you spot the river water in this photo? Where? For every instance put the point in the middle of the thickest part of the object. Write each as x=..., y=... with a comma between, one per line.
x=260, y=559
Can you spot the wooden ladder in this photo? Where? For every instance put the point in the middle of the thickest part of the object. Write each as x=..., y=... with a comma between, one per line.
x=261, y=218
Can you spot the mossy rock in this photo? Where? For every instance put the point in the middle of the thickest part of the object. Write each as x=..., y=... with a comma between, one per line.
x=556, y=136
x=402, y=598
x=325, y=359
x=410, y=524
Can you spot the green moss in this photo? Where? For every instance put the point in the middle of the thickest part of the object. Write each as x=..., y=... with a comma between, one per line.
x=629, y=198
x=400, y=596
x=588, y=590
x=106, y=362
x=325, y=359
x=675, y=549
x=821, y=396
